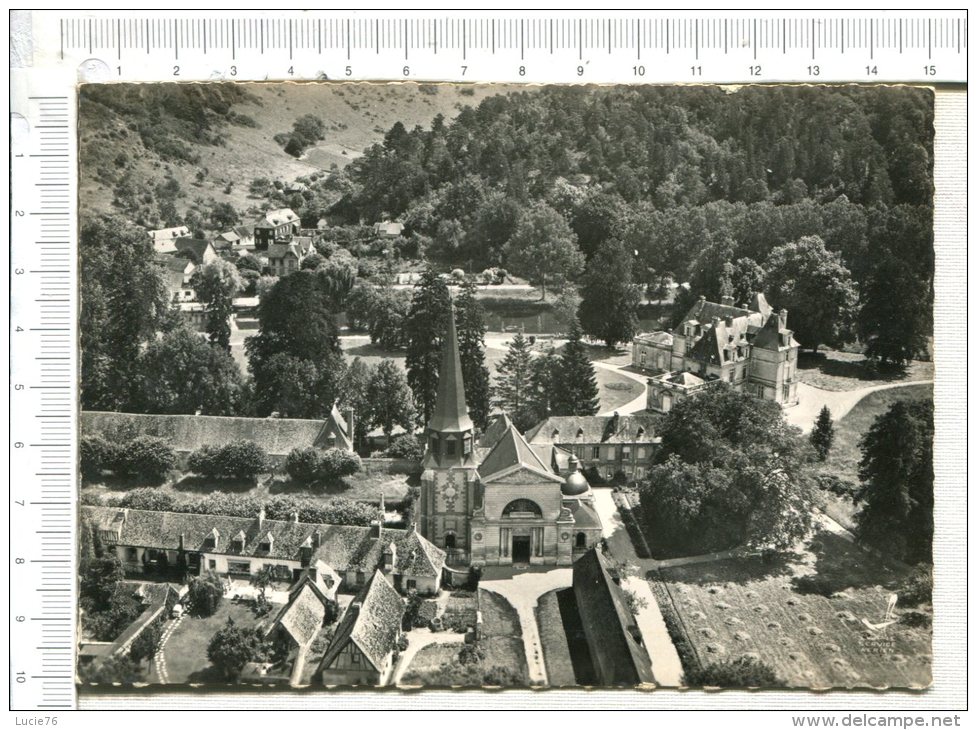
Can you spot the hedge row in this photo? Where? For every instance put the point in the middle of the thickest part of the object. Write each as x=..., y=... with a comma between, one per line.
x=147, y=457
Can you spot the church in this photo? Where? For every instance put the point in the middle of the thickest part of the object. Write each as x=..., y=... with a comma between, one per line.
x=497, y=500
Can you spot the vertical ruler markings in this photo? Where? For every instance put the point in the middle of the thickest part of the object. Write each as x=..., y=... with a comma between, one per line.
x=42, y=403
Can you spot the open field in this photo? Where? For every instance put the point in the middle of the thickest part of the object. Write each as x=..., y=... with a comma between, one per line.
x=752, y=607
x=845, y=455
x=186, y=650
x=837, y=370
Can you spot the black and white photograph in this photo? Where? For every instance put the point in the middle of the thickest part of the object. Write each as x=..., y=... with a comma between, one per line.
x=440, y=385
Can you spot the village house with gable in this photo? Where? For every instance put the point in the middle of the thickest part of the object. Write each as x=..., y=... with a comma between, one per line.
x=751, y=348
x=286, y=256
x=275, y=225
x=164, y=239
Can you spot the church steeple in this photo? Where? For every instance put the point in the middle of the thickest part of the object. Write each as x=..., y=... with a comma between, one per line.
x=450, y=409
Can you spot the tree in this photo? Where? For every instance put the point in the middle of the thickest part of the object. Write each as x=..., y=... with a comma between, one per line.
x=566, y=306
x=181, y=373
x=146, y=644
x=514, y=384
x=123, y=305
x=546, y=386
x=896, y=471
x=543, y=247
x=895, y=329
x=730, y=471
x=610, y=299
x=425, y=327
x=302, y=464
x=223, y=216
x=205, y=594
x=406, y=446
x=118, y=669
x=743, y=671
x=579, y=395
x=296, y=358
x=98, y=578
x=96, y=455
x=338, y=463
x=355, y=396
x=823, y=434
x=471, y=348
x=216, y=284
x=813, y=284
x=147, y=457
x=748, y=278
x=391, y=399
x=261, y=579
x=313, y=261
x=232, y=648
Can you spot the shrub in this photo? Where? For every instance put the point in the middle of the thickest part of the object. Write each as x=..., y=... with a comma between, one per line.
x=96, y=455
x=236, y=460
x=232, y=648
x=148, y=457
x=917, y=587
x=471, y=653
x=302, y=464
x=739, y=672
x=406, y=447
x=916, y=619
x=336, y=463
x=814, y=584
x=838, y=486
x=205, y=594
x=148, y=498
x=113, y=670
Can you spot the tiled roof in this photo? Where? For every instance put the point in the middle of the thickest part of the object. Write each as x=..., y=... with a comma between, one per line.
x=302, y=616
x=584, y=514
x=511, y=450
x=162, y=234
x=684, y=378
x=609, y=624
x=655, y=338
x=344, y=547
x=372, y=622
x=277, y=436
x=196, y=246
x=499, y=424
x=769, y=336
x=244, y=233
x=275, y=218
x=622, y=429
x=703, y=311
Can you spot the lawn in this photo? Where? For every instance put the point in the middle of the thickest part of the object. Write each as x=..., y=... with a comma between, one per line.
x=186, y=650
x=837, y=370
x=750, y=607
x=553, y=637
x=845, y=455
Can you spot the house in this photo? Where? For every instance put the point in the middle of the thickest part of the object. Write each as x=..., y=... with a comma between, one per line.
x=187, y=433
x=617, y=649
x=177, y=273
x=164, y=238
x=198, y=250
x=363, y=646
x=275, y=225
x=286, y=256
x=298, y=622
x=337, y=433
x=238, y=240
x=148, y=542
x=388, y=229
x=497, y=501
x=751, y=348
x=608, y=444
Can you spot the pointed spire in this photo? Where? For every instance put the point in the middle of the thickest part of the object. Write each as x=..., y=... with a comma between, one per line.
x=450, y=408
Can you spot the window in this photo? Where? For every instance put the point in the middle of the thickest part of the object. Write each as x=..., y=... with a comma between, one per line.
x=411, y=584
x=595, y=453
x=625, y=452
x=641, y=452
x=212, y=565
x=581, y=540
x=236, y=566
x=131, y=554
x=449, y=447
x=522, y=508
x=450, y=541
x=611, y=452
x=467, y=445
x=354, y=657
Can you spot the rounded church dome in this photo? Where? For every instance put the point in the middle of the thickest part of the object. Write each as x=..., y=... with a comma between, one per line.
x=575, y=485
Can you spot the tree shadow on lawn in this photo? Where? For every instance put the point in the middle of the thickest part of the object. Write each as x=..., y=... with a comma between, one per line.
x=840, y=565
x=734, y=570
x=850, y=366
x=206, y=485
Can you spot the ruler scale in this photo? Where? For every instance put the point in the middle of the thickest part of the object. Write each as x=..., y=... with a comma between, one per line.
x=67, y=46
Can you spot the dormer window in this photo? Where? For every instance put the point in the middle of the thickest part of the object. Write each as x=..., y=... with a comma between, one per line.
x=467, y=445
x=237, y=544
x=212, y=540
x=267, y=543
x=579, y=433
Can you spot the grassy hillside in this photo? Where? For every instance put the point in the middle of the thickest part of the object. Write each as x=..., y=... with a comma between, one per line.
x=212, y=140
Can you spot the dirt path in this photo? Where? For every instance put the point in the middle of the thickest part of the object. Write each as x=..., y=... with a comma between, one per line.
x=665, y=663
x=159, y=658
x=522, y=592
x=839, y=402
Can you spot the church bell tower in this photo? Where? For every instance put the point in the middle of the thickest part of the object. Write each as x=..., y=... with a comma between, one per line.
x=449, y=478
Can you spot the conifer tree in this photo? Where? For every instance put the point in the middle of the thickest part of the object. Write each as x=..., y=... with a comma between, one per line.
x=513, y=392
x=471, y=347
x=823, y=435
x=578, y=394
x=546, y=385
x=424, y=327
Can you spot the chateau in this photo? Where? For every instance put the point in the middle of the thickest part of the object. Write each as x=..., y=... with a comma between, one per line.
x=750, y=348
x=499, y=501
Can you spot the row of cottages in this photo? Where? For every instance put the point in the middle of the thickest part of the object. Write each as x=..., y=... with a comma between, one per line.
x=187, y=433
x=751, y=348
x=608, y=444
x=150, y=541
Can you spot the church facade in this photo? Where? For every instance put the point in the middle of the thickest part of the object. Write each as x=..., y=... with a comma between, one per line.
x=497, y=500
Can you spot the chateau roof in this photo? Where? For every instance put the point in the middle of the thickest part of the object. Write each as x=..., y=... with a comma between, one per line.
x=770, y=335
x=618, y=429
x=450, y=409
x=372, y=622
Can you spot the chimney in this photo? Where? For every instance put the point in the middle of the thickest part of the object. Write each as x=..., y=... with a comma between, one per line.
x=182, y=540
x=389, y=558
x=376, y=524
x=727, y=301
x=261, y=516
x=316, y=539
x=729, y=320
x=295, y=517
x=351, y=423
x=783, y=319
x=715, y=322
